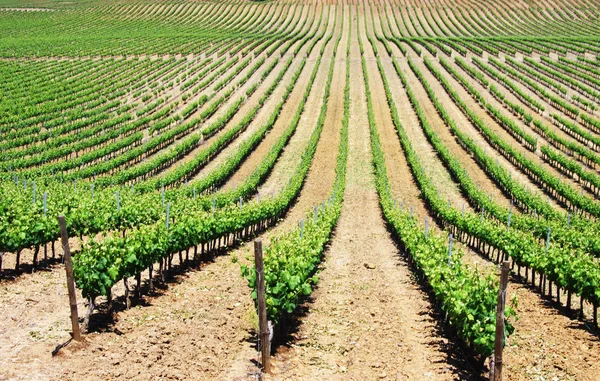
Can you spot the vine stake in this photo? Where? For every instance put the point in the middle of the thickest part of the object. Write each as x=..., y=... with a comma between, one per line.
x=263, y=332
x=496, y=368
x=70, y=282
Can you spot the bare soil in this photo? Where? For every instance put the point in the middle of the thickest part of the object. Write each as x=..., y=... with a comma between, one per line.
x=365, y=321
x=321, y=177
x=489, y=98
x=290, y=158
x=368, y=318
x=449, y=140
x=198, y=318
x=285, y=116
x=448, y=188
x=547, y=343
x=402, y=183
x=466, y=126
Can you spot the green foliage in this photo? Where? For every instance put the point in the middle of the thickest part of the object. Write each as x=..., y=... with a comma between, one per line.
x=291, y=260
x=467, y=297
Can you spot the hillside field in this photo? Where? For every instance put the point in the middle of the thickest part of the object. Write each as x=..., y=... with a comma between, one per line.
x=389, y=154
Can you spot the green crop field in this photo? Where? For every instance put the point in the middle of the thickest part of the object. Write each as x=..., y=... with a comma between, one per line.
x=390, y=155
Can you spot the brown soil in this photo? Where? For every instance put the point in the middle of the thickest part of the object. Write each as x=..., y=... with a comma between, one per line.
x=27, y=9
x=192, y=327
x=529, y=344
x=401, y=181
x=262, y=116
x=458, y=25
x=400, y=27
x=494, y=102
x=220, y=111
x=546, y=344
x=34, y=312
x=321, y=176
x=469, y=129
x=549, y=345
x=362, y=321
x=367, y=319
x=411, y=27
x=290, y=158
x=191, y=331
x=418, y=14
x=449, y=189
x=449, y=140
x=549, y=109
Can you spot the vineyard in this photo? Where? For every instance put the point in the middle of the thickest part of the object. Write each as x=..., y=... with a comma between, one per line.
x=389, y=155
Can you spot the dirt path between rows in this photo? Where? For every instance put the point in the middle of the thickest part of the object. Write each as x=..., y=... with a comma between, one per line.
x=449, y=140
x=546, y=344
x=242, y=111
x=290, y=158
x=221, y=110
x=144, y=332
x=175, y=335
x=449, y=189
x=503, y=134
x=321, y=177
x=148, y=326
x=499, y=106
x=372, y=323
x=402, y=183
x=187, y=330
x=259, y=120
x=434, y=168
x=283, y=120
x=467, y=127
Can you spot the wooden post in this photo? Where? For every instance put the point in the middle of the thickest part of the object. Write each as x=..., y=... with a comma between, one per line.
x=70, y=282
x=263, y=326
x=499, y=344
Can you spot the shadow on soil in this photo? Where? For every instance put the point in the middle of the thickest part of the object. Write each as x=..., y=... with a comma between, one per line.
x=466, y=364
x=104, y=318
x=44, y=265
x=550, y=303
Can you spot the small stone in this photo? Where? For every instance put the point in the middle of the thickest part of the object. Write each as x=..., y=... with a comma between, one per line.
x=370, y=266
x=428, y=374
